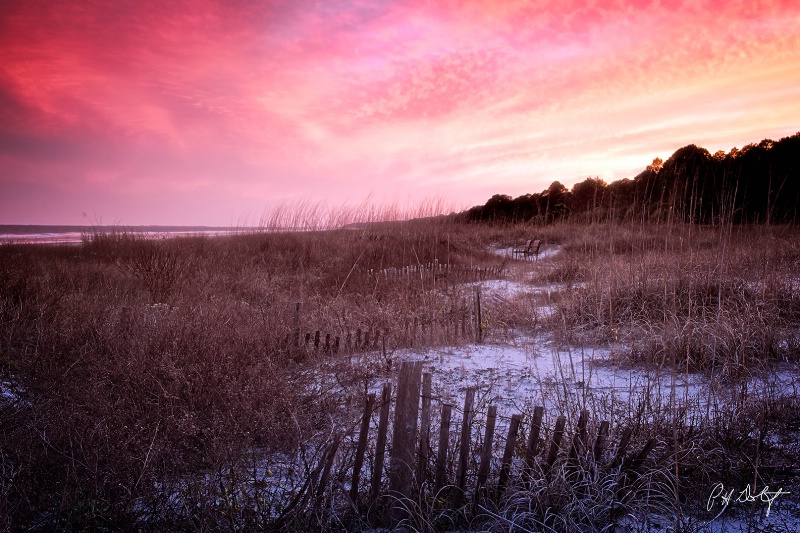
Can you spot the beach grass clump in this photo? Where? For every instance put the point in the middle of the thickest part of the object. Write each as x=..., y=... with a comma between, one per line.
x=730, y=307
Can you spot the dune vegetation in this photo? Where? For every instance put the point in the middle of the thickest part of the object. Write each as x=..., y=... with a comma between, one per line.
x=140, y=376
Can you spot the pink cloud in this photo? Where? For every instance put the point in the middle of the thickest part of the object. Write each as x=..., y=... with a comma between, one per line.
x=238, y=105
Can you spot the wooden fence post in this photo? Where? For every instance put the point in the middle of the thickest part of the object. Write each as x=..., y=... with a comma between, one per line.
x=558, y=434
x=463, y=449
x=579, y=439
x=623, y=446
x=362, y=447
x=486, y=453
x=478, y=325
x=637, y=462
x=577, y=448
x=326, y=472
x=425, y=429
x=600, y=443
x=404, y=434
x=508, y=453
x=533, y=443
x=444, y=441
x=380, y=445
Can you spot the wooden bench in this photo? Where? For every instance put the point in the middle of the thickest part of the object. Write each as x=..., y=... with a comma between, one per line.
x=531, y=248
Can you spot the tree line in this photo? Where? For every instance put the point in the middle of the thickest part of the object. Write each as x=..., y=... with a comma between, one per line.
x=756, y=184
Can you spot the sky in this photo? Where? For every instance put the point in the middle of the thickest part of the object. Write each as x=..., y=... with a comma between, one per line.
x=209, y=112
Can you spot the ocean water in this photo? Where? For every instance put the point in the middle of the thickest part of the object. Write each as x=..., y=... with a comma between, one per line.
x=10, y=234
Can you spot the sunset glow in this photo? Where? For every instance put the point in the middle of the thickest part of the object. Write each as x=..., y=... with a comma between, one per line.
x=209, y=112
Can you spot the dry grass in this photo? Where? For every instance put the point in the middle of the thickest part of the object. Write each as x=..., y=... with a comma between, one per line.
x=148, y=384
x=710, y=299
x=130, y=364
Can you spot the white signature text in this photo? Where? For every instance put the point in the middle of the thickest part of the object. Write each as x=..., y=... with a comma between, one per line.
x=724, y=497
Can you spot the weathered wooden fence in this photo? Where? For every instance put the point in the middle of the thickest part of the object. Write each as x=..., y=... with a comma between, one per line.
x=410, y=467
x=436, y=269
x=462, y=321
